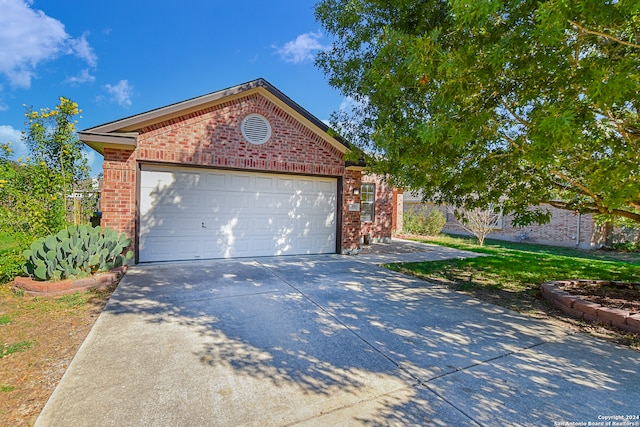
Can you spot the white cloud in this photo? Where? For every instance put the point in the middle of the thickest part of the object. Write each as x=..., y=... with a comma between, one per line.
x=302, y=49
x=83, y=50
x=29, y=37
x=83, y=77
x=121, y=93
x=351, y=104
x=14, y=136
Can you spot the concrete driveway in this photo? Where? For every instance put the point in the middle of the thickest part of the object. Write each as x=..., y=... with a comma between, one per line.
x=330, y=340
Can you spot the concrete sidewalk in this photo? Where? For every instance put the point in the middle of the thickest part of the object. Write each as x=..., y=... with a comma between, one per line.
x=329, y=340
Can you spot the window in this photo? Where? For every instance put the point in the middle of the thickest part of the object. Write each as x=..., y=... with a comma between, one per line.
x=367, y=195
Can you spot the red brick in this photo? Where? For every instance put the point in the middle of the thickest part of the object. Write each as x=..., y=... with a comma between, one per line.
x=548, y=290
x=633, y=323
x=571, y=311
x=565, y=299
x=587, y=307
x=85, y=283
x=613, y=316
x=590, y=317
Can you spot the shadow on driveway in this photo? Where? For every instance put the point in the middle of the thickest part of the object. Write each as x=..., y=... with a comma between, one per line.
x=328, y=340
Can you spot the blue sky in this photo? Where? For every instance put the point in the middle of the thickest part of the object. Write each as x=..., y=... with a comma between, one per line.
x=117, y=58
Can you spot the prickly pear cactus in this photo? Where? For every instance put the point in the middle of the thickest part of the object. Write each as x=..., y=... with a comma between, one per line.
x=76, y=251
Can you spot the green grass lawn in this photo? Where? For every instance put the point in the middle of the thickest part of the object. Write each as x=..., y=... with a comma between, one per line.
x=511, y=273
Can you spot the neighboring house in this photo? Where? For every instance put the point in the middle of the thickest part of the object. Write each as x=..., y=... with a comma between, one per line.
x=240, y=172
x=566, y=228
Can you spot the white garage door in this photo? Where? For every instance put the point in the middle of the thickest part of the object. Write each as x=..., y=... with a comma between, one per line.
x=197, y=214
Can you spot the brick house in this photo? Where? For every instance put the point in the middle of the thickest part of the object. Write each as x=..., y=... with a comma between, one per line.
x=244, y=171
x=566, y=228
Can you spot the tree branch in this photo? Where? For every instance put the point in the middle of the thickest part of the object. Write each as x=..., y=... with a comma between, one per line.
x=519, y=119
x=594, y=210
x=580, y=187
x=618, y=125
x=511, y=140
x=606, y=36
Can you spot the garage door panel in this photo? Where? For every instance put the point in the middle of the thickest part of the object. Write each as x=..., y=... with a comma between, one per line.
x=285, y=184
x=163, y=248
x=243, y=213
x=241, y=182
x=263, y=225
x=215, y=180
x=264, y=183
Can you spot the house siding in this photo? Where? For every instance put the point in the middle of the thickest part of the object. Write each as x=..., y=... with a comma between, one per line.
x=211, y=137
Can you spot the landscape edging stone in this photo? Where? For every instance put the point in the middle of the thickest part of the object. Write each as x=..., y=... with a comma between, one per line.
x=34, y=288
x=590, y=311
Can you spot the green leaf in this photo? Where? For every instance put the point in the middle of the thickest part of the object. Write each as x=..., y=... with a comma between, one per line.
x=50, y=242
x=63, y=234
x=41, y=272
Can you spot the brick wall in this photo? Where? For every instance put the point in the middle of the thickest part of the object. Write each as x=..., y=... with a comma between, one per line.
x=212, y=137
x=566, y=228
x=380, y=228
x=118, y=198
x=350, y=219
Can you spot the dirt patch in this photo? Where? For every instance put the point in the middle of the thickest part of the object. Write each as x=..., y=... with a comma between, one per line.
x=39, y=338
x=623, y=296
x=533, y=304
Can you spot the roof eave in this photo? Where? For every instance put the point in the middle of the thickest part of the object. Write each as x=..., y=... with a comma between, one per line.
x=137, y=122
x=99, y=140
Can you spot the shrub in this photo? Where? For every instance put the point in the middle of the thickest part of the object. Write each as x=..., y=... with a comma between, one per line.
x=423, y=221
x=11, y=262
x=627, y=246
x=76, y=251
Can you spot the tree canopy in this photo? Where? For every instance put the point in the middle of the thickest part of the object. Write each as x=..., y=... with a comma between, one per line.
x=35, y=190
x=482, y=102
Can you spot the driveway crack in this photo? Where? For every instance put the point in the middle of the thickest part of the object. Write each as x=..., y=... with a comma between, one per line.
x=333, y=316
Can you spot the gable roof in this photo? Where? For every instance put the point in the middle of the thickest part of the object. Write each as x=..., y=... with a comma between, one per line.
x=123, y=133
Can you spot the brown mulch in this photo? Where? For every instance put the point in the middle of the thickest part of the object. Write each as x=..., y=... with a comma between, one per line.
x=624, y=296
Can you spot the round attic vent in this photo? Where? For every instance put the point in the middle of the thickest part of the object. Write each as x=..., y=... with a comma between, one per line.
x=256, y=129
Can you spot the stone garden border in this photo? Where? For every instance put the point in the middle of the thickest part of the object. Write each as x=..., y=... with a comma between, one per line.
x=578, y=308
x=34, y=288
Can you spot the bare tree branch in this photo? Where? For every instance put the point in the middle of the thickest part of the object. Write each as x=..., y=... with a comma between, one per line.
x=479, y=222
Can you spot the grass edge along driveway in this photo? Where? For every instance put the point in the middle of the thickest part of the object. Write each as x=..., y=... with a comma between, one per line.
x=511, y=275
